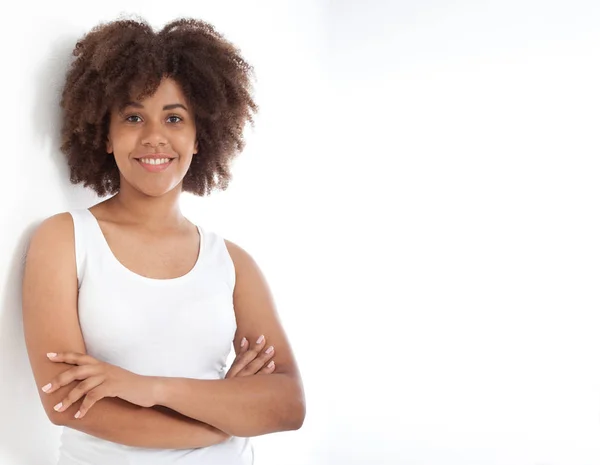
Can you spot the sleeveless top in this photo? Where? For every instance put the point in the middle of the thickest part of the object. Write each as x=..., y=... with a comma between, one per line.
x=180, y=327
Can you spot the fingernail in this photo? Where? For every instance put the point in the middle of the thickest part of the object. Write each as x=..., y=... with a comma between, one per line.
x=269, y=350
x=260, y=339
x=47, y=387
x=58, y=406
x=51, y=354
x=271, y=363
x=78, y=414
x=244, y=340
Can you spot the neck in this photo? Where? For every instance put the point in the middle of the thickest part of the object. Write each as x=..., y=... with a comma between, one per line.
x=153, y=213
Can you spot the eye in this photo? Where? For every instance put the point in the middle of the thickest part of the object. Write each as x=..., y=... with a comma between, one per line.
x=174, y=116
x=129, y=120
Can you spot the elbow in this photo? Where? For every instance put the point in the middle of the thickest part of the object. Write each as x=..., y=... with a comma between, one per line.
x=300, y=415
x=48, y=403
x=60, y=418
x=296, y=415
x=286, y=418
x=55, y=418
x=289, y=419
x=298, y=410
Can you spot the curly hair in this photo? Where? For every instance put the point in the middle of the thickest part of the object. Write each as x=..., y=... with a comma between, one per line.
x=125, y=59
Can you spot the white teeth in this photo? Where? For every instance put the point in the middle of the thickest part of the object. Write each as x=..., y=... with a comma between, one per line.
x=153, y=161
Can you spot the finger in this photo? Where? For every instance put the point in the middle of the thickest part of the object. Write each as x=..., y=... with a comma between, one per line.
x=90, y=399
x=253, y=351
x=239, y=363
x=67, y=377
x=260, y=342
x=252, y=366
x=243, y=349
x=78, y=392
x=72, y=358
x=234, y=365
x=259, y=362
x=243, y=359
x=267, y=369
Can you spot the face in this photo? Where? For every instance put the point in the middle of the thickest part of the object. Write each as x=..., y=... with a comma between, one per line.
x=153, y=140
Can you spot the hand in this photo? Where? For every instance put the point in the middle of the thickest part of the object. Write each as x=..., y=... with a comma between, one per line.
x=252, y=361
x=98, y=380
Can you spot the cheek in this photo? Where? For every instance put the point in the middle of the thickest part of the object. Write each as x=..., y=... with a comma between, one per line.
x=123, y=147
x=123, y=139
x=186, y=139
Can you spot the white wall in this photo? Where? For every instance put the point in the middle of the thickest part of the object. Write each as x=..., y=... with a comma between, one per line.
x=278, y=39
x=419, y=190
x=464, y=277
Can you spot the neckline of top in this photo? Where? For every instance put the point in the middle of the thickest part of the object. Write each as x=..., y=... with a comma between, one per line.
x=138, y=276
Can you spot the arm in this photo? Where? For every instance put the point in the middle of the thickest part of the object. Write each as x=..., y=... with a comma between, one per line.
x=253, y=405
x=51, y=324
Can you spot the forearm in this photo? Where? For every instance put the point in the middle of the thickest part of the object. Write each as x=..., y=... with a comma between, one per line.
x=245, y=406
x=119, y=421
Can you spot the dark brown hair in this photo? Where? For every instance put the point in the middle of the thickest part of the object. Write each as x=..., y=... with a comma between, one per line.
x=124, y=60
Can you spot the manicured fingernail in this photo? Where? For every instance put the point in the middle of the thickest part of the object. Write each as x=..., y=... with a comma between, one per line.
x=244, y=340
x=51, y=355
x=271, y=363
x=58, y=406
x=78, y=414
x=47, y=387
x=260, y=339
x=269, y=350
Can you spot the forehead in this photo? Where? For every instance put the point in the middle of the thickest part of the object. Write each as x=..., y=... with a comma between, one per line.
x=168, y=92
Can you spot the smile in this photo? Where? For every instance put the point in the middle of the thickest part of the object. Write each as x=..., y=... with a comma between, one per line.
x=155, y=164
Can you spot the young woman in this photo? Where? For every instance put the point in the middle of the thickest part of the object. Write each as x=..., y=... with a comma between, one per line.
x=129, y=309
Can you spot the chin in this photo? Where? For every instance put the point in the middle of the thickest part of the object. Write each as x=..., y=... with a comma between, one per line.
x=157, y=187
x=157, y=190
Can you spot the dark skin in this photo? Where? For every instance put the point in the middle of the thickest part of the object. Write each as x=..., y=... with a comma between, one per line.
x=145, y=215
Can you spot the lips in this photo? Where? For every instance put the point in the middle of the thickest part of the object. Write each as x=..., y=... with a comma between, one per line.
x=155, y=167
x=155, y=156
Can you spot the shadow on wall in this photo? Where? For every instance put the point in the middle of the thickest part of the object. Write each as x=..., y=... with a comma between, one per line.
x=46, y=119
x=26, y=434
x=24, y=424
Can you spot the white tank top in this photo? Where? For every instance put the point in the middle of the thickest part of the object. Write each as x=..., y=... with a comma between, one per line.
x=181, y=327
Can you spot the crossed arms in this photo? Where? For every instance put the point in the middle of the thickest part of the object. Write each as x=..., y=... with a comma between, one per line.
x=189, y=413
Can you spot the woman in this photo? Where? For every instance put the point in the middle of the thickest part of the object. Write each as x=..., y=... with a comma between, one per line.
x=129, y=309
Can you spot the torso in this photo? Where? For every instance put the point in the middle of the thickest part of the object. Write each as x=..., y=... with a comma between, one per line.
x=160, y=326
x=159, y=256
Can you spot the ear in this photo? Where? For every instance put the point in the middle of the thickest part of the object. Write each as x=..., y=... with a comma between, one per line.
x=109, y=146
x=196, y=147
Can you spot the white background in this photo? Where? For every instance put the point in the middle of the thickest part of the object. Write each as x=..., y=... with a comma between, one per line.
x=421, y=192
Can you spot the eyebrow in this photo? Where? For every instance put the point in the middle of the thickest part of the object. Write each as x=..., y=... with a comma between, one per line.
x=172, y=106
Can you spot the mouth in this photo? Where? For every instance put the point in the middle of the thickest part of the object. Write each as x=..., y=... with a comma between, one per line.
x=155, y=164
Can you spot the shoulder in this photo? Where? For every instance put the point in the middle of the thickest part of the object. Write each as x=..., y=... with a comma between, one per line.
x=241, y=258
x=50, y=264
x=55, y=226
x=250, y=280
x=53, y=235
x=234, y=249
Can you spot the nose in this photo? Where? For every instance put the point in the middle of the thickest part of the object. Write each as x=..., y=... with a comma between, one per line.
x=153, y=135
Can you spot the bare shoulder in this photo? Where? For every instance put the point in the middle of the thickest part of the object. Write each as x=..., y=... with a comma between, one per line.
x=53, y=238
x=55, y=227
x=55, y=232
x=241, y=258
x=249, y=277
x=251, y=292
